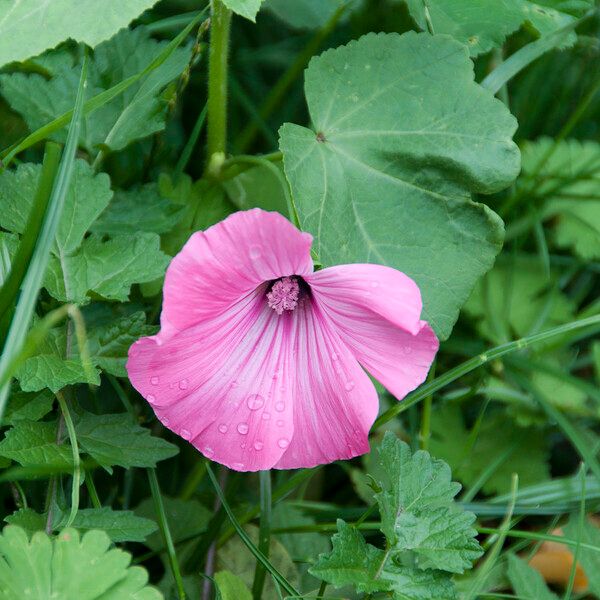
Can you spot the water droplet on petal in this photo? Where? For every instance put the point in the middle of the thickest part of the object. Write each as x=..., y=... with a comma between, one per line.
x=223, y=428
x=283, y=443
x=242, y=428
x=266, y=416
x=183, y=384
x=208, y=451
x=151, y=398
x=243, y=445
x=237, y=466
x=185, y=434
x=258, y=445
x=165, y=421
x=280, y=423
x=255, y=252
x=280, y=406
x=158, y=341
x=154, y=380
x=434, y=346
x=407, y=349
x=255, y=401
x=349, y=386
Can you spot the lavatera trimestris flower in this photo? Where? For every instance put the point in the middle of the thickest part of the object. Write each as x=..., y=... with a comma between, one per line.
x=259, y=360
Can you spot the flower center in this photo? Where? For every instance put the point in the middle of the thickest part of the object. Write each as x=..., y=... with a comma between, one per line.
x=284, y=294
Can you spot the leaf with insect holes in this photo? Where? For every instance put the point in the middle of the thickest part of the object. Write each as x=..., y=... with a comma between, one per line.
x=69, y=567
x=137, y=113
x=568, y=182
x=402, y=136
x=116, y=440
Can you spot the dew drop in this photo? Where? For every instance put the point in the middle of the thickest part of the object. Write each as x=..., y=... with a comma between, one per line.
x=151, y=398
x=258, y=445
x=280, y=406
x=159, y=342
x=208, y=451
x=280, y=423
x=165, y=421
x=242, y=428
x=255, y=252
x=255, y=401
x=183, y=384
x=243, y=445
x=407, y=349
x=223, y=428
x=266, y=416
x=154, y=380
x=237, y=466
x=349, y=385
x=434, y=346
x=275, y=374
x=283, y=443
x=185, y=434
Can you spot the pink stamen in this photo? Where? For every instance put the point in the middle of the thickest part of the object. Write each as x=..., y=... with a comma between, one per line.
x=284, y=295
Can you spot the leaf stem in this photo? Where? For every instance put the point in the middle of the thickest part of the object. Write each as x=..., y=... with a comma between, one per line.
x=218, y=57
x=64, y=409
x=264, y=535
x=166, y=532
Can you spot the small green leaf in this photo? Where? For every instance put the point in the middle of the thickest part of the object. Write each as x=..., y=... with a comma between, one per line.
x=31, y=407
x=368, y=569
x=527, y=583
x=245, y=8
x=106, y=268
x=116, y=440
x=143, y=209
x=390, y=182
x=231, y=587
x=119, y=525
x=68, y=567
x=418, y=512
x=32, y=443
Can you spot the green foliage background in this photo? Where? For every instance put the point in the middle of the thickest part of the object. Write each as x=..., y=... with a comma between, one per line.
x=455, y=140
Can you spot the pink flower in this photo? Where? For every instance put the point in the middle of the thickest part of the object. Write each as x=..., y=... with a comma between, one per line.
x=258, y=360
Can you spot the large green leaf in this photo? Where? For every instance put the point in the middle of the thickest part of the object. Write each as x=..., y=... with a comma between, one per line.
x=117, y=440
x=402, y=135
x=28, y=27
x=136, y=113
x=484, y=24
x=308, y=14
x=68, y=567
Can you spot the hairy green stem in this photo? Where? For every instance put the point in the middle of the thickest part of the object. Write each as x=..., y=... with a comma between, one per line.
x=218, y=56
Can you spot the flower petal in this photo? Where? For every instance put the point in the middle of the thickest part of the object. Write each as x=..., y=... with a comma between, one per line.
x=224, y=385
x=379, y=323
x=219, y=266
x=335, y=402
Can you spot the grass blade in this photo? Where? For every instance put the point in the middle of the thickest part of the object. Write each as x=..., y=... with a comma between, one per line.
x=39, y=261
x=279, y=578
